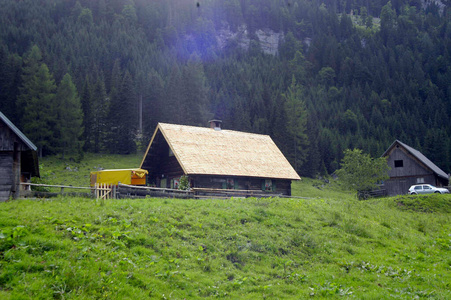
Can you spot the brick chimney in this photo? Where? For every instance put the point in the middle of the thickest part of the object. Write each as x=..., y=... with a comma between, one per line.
x=215, y=124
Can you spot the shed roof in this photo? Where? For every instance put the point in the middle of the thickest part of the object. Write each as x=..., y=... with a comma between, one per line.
x=418, y=155
x=17, y=132
x=205, y=151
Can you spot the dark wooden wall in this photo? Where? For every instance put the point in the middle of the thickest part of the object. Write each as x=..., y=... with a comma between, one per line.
x=12, y=152
x=6, y=175
x=161, y=166
x=241, y=183
x=8, y=138
x=412, y=170
x=401, y=185
x=411, y=166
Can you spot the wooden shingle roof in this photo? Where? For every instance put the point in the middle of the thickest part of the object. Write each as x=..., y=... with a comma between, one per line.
x=205, y=151
x=19, y=133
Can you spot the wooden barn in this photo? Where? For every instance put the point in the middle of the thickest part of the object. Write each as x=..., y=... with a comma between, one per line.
x=216, y=159
x=409, y=167
x=18, y=159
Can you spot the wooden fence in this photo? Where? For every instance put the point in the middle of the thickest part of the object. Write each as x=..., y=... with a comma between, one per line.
x=99, y=191
x=120, y=191
x=363, y=195
x=105, y=191
x=132, y=191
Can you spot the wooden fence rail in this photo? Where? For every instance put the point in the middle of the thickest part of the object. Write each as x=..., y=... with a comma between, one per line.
x=27, y=192
x=131, y=191
x=108, y=191
x=105, y=191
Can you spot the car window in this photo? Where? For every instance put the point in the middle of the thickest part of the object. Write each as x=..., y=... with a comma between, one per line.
x=426, y=187
x=418, y=187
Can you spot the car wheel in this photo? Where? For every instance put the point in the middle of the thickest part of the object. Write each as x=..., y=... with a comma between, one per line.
x=413, y=193
x=437, y=192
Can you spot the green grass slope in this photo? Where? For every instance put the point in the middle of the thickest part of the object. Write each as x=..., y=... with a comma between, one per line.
x=55, y=170
x=327, y=247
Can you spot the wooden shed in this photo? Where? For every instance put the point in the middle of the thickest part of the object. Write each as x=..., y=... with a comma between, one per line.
x=409, y=167
x=18, y=159
x=213, y=158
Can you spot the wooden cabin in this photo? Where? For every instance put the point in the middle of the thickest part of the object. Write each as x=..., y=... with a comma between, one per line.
x=409, y=167
x=213, y=158
x=18, y=159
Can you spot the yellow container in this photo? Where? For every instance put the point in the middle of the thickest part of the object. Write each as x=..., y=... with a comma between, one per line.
x=126, y=176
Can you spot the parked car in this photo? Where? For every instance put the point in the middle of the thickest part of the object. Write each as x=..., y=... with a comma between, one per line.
x=426, y=189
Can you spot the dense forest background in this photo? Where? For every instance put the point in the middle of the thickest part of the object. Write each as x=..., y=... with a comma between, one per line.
x=76, y=75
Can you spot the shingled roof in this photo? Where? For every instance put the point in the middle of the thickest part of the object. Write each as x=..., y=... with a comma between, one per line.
x=418, y=155
x=18, y=132
x=205, y=151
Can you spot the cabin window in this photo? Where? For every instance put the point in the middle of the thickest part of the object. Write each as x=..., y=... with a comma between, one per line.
x=230, y=184
x=163, y=183
x=175, y=183
x=399, y=163
x=420, y=180
x=267, y=185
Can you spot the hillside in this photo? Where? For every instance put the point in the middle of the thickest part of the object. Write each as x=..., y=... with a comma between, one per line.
x=318, y=76
x=328, y=247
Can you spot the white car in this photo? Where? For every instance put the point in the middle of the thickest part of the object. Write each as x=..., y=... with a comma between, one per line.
x=426, y=189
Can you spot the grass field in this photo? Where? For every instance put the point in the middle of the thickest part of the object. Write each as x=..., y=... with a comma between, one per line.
x=327, y=246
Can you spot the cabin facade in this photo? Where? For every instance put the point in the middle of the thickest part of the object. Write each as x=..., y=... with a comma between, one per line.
x=18, y=159
x=216, y=159
x=409, y=167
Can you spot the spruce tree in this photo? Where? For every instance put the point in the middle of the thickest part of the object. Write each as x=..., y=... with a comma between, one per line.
x=70, y=116
x=193, y=108
x=100, y=106
x=28, y=89
x=296, y=116
x=38, y=95
x=86, y=105
x=122, y=119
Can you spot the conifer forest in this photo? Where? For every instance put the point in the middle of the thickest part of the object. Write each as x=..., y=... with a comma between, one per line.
x=318, y=76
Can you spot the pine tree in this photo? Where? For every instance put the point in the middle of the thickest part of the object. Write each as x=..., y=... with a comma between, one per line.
x=28, y=89
x=100, y=106
x=38, y=94
x=122, y=119
x=86, y=105
x=70, y=116
x=296, y=115
x=194, y=105
x=11, y=66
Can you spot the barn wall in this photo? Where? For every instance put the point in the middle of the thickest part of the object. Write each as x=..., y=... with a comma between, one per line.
x=6, y=175
x=401, y=185
x=8, y=138
x=412, y=172
x=411, y=167
x=241, y=183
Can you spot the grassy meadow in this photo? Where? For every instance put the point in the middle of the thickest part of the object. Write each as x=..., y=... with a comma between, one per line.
x=327, y=245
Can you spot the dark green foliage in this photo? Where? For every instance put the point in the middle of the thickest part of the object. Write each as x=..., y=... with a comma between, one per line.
x=379, y=74
x=122, y=119
x=37, y=100
x=69, y=117
x=296, y=121
x=360, y=172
